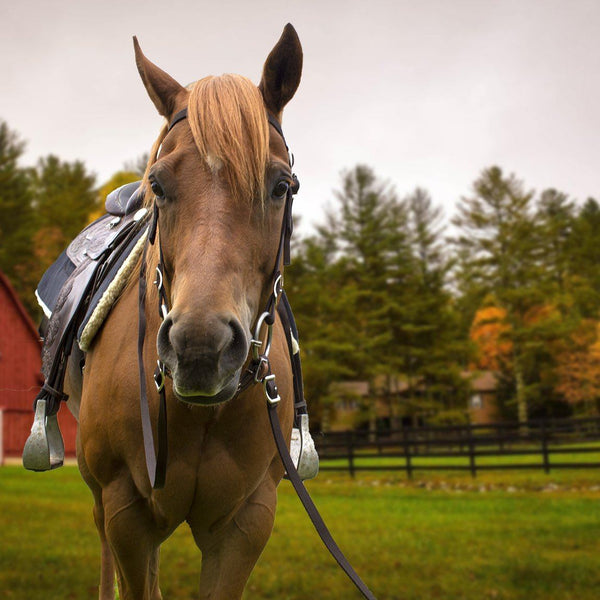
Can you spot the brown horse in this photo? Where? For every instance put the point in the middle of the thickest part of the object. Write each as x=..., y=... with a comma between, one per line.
x=219, y=179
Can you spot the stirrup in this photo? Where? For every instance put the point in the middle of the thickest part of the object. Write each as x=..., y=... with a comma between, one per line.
x=303, y=451
x=44, y=448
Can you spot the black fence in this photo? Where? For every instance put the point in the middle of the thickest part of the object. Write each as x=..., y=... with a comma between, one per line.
x=549, y=444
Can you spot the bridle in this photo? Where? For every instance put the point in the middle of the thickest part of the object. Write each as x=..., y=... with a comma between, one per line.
x=257, y=371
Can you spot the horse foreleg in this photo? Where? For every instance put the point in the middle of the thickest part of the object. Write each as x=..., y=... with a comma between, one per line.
x=229, y=555
x=135, y=550
x=107, y=564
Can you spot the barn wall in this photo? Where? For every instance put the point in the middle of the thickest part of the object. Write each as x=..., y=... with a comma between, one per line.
x=17, y=424
x=20, y=375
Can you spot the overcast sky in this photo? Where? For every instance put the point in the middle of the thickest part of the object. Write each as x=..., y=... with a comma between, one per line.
x=428, y=93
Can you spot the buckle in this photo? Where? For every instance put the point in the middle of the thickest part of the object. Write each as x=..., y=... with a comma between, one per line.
x=271, y=389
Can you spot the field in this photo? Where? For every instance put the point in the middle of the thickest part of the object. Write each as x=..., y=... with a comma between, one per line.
x=504, y=535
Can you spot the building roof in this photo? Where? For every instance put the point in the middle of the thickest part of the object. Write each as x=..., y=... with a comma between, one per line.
x=484, y=381
x=14, y=299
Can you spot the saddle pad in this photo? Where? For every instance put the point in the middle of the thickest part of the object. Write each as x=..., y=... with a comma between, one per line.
x=110, y=289
x=73, y=286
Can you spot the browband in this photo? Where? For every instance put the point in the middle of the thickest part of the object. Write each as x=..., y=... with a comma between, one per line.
x=182, y=114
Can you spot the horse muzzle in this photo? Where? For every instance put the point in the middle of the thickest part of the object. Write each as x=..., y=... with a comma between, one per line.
x=204, y=356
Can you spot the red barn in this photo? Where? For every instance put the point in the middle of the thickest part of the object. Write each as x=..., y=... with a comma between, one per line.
x=21, y=377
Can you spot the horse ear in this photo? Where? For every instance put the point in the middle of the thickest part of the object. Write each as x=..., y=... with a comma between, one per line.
x=161, y=87
x=282, y=71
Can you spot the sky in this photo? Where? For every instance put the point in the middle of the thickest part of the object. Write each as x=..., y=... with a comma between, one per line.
x=427, y=93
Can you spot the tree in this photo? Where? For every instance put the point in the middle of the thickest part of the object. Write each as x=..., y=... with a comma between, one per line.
x=578, y=367
x=17, y=219
x=342, y=273
x=366, y=234
x=64, y=197
x=489, y=332
x=583, y=255
x=324, y=323
x=499, y=250
x=555, y=216
x=369, y=294
x=425, y=326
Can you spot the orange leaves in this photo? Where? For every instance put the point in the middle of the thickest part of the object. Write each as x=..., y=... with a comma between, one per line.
x=578, y=364
x=489, y=333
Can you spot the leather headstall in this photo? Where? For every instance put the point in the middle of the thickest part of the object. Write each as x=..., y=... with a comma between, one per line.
x=258, y=369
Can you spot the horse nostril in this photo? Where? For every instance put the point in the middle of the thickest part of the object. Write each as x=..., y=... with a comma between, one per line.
x=235, y=350
x=237, y=332
x=217, y=341
x=163, y=343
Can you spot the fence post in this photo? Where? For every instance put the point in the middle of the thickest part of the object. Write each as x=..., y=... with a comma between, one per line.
x=471, y=441
x=409, y=469
x=545, y=453
x=350, y=440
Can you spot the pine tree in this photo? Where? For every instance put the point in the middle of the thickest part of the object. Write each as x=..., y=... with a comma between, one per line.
x=429, y=333
x=583, y=250
x=365, y=233
x=555, y=217
x=17, y=219
x=324, y=322
x=499, y=249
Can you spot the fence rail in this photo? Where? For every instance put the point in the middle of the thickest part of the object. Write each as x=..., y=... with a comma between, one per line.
x=466, y=447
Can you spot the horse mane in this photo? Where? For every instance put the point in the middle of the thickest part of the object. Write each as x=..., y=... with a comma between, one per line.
x=229, y=124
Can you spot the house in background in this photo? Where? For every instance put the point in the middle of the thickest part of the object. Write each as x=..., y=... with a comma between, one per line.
x=356, y=406
x=21, y=377
x=483, y=405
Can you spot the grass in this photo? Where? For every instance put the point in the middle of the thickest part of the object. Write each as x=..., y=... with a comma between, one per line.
x=507, y=536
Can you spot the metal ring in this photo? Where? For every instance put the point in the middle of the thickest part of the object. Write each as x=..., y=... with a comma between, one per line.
x=159, y=281
x=159, y=376
x=278, y=286
x=257, y=342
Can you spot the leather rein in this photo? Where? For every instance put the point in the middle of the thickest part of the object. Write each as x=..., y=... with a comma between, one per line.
x=257, y=371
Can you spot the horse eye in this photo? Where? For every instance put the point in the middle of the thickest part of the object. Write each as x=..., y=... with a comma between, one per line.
x=157, y=190
x=280, y=190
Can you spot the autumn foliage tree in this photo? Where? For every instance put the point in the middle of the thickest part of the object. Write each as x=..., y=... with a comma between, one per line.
x=578, y=367
x=489, y=332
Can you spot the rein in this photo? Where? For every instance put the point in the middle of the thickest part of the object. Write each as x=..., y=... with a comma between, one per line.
x=258, y=370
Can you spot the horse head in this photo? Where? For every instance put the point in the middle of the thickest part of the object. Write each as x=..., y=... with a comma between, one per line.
x=219, y=179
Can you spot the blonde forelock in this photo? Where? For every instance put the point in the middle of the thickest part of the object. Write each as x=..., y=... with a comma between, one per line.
x=230, y=128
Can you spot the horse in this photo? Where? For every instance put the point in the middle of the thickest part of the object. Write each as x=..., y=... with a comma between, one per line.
x=218, y=178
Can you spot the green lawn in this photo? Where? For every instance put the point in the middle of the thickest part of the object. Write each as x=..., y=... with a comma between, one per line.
x=516, y=535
